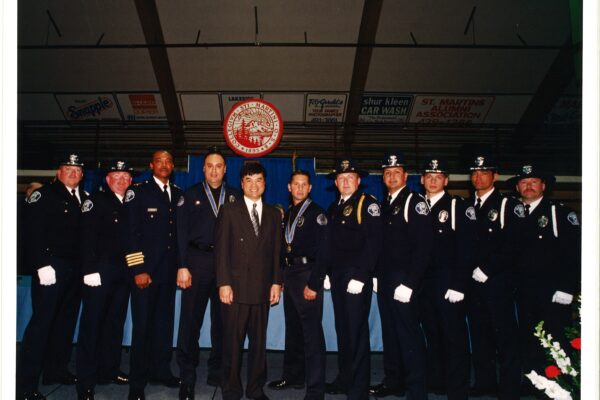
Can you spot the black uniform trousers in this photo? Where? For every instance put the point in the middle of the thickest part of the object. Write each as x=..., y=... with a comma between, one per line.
x=351, y=313
x=493, y=327
x=534, y=304
x=392, y=360
x=409, y=337
x=304, y=356
x=152, y=314
x=48, y=338
x=100, y=340
x=239, y=320
x=445, y=328
x=193, y=306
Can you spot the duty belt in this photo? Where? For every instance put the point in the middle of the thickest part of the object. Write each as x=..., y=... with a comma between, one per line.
x=291, y=261
x=202, y=247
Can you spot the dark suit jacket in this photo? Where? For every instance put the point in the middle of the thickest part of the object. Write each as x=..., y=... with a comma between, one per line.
x=250, y=264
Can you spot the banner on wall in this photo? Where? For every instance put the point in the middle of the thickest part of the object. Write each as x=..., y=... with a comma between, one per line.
x=142, y=106
x=567, y=110
x=230, y=99
x=450, y=109
x=384, y=108
x=325, y=108
x=82, y=107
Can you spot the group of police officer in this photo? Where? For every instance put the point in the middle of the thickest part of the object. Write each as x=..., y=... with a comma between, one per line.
x=435, y=260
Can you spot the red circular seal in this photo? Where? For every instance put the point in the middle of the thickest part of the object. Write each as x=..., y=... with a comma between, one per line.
x=253, y=128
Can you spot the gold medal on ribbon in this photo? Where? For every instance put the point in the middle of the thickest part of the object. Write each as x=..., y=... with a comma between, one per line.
x=289, y=248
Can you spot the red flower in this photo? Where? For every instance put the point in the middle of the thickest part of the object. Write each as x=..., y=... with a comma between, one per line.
x=576, y=343
x=552, y=371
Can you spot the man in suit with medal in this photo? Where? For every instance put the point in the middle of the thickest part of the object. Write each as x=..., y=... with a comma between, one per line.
x=54, y=218
x=407, y=244
x=152, y=260
x=196, y=215
x=305, y=225
x=441, y=301
x=490, y=298
x=548, y=265
x=355, y=232
x=247, y=262
x=106, y=284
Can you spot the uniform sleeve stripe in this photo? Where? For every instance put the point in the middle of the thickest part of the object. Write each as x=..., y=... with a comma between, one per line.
x=134, y=263
x=133, y=255
x=136, y=258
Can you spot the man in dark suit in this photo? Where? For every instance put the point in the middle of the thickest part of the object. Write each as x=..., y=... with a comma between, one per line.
x=355, y=232
x=305, y=225
x=548, y=265
x=441, y=301
x=54, y=221
x=490, y=298
x=106, y=284
x=196, y=216
x=247, y=259
x=152, y=260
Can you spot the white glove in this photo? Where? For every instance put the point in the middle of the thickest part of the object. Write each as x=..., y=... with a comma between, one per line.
x=479, y=276
x=375, y=285
x=47, y=275
x=562, y=298
x=326, y=283
x=354, y=286
x=453, y=296
x=92, y=279
x=402, y=294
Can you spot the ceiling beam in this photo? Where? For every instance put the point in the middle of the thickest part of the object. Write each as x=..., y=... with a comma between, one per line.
x=360, y=71
x=150, y=21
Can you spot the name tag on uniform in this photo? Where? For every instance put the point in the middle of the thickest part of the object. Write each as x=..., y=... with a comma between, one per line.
x=153, y=210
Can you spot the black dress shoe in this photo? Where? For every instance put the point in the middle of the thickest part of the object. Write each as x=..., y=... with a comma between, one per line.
x=65, y=378
x=168, y=381
x=186, y=392
x=135, y=395
x=120, y=379
x=284, y=384
x=87, y=394
x=383, y=390
x=35, y=395
x=437, y=390
x=263, y=397
x=213, y=381
x=334, y=388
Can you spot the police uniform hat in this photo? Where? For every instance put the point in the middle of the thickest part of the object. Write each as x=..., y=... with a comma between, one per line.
x=119, y=166
x=393, y=158
x=483, y=162
x=531, y=171
x=344, y=166
x=435, y=165
x=71, y=160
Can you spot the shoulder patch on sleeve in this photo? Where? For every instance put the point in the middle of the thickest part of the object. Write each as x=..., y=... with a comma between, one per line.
x=572, y=217
x=421, y=208
x=35, y=196
x=374, y=210
x=181, y=201
x=322, y=219
x=470, y=213
x=87, y=206
x=519, y=210
x=129, y=195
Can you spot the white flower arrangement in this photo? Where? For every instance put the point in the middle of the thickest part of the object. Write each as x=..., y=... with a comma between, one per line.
x=551, y=388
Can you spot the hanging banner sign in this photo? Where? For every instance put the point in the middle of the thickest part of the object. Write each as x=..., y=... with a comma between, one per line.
x=142, y=106
x=82, y=107
x=450, y=109
x=230, y=99
x=253, y=128
x=384, y=109
x=325, y=108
